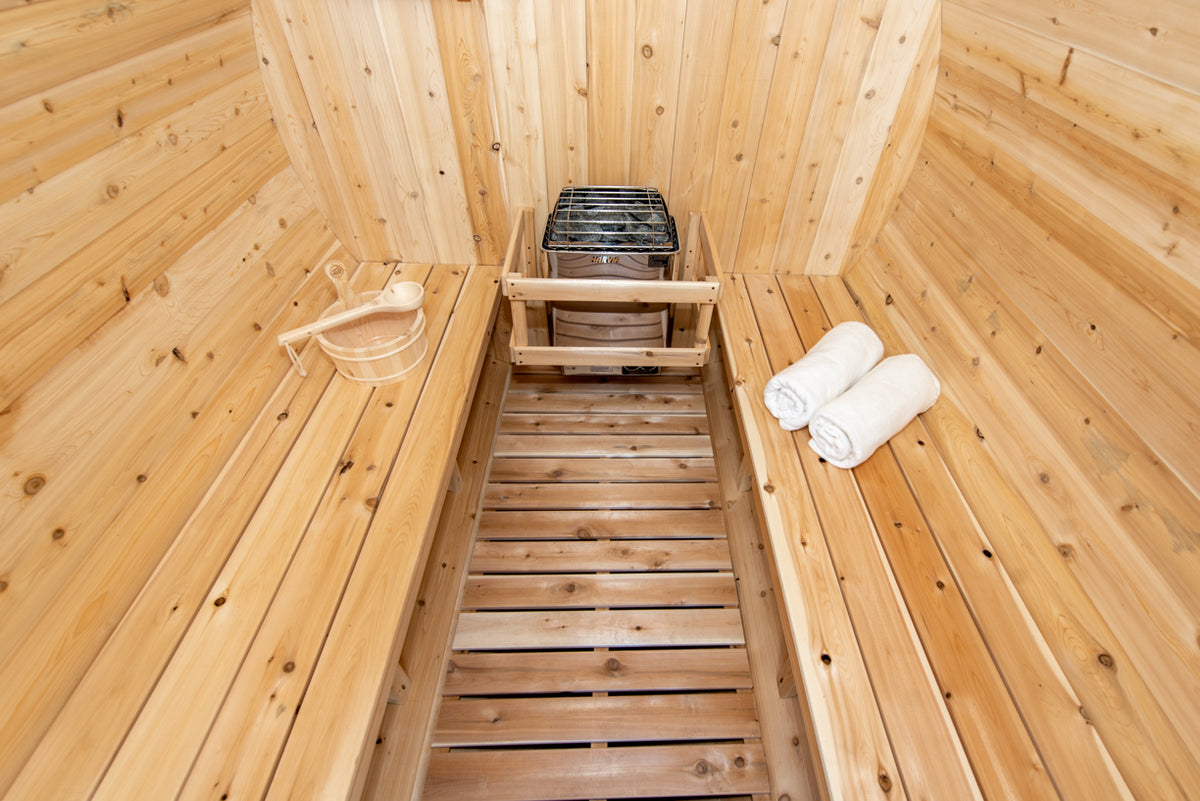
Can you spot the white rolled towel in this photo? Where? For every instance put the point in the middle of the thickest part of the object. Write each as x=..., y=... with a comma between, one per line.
x=842, y=356
x=848, y=429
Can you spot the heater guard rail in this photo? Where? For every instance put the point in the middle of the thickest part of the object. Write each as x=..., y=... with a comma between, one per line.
x=693, y=295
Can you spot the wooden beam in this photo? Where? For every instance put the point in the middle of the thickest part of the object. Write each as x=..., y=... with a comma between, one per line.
x=601, y=290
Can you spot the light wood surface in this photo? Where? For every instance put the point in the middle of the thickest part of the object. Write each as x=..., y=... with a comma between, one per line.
x=704, y=770
x=721, y=106
x=1038, y=261
x=787, y=731
x=508, y=673
x=848, y=728
x=398, y=759
x=600, y=631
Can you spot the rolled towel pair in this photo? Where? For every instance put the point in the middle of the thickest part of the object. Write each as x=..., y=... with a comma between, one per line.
x=848, y=429
x=842, y=356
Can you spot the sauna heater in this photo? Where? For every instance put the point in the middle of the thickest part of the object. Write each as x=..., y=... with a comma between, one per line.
x=613, y=232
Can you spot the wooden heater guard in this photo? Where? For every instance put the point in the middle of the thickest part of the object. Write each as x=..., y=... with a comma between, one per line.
x=693, y=295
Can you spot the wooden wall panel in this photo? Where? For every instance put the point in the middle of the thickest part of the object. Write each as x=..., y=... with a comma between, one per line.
x=563, y=72
x=513, y=43
x=895, y=62
x=658, y=41
x=1042, y=258
x=154, y=243
x=740, y=110
x=610, y=48
x=417, y=76
x=701, y=84
x=462, y=42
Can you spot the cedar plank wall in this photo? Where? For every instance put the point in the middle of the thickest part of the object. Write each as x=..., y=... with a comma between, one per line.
x=420, y=127
x=152, y=236
x=1044, y=259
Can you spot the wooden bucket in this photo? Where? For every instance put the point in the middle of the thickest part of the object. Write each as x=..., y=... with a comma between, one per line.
x=377, y=349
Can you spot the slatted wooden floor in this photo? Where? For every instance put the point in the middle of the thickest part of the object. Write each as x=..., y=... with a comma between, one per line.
x=600, y=652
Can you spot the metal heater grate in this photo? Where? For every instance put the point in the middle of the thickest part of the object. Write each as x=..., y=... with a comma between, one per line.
x=610, y=219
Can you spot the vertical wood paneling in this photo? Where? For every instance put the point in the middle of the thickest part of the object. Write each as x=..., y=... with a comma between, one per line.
x=658, y=41
x=563, y=73
x=514, y=47
x=903, y=147
x=701, y=84
x=462, y=40
x=427, y=128
x=894, y=59
x=753, y=49
x=806, y=30
x=610, y=48
x=851, y=39
x=690, y=96
x=325, y=84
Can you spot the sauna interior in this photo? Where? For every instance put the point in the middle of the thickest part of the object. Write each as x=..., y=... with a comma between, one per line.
x=492, y=580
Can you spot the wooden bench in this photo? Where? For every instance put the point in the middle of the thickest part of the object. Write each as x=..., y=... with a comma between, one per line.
x=257, y=660
x=923, y=672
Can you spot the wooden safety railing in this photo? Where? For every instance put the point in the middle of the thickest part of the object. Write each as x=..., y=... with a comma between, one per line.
x=693, y=296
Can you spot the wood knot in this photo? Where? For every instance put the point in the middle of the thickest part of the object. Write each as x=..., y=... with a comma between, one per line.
x=739, y=762
x=570, y=588
x=1066, y=551
x=34, y=484
x=1106, y=660
x=885, y=782
x=701, y=768
x=768, y=488
x=647, y=51
x=57, y=534
x=612, y=665
x=220, y=601
x=289, y=667
x=826, y=659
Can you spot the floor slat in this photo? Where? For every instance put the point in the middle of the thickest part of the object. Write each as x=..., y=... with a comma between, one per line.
x=606, y=402
x=640, y=628
x=602, y=496
x=508, y=673
x=473, y=722
x=588, y=590
x=623, y=772
x=568, y=469
x=623, y=424
x=557, y=524
x=600, y=555
x=630, y=446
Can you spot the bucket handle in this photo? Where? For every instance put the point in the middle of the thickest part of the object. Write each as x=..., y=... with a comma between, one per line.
x=295, y=357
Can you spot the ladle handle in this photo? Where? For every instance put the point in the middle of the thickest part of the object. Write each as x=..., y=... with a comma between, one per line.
x=385, y=301
x=341, y=282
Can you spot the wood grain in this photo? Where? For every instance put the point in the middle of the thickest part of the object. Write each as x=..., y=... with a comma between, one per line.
x=608, y=772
